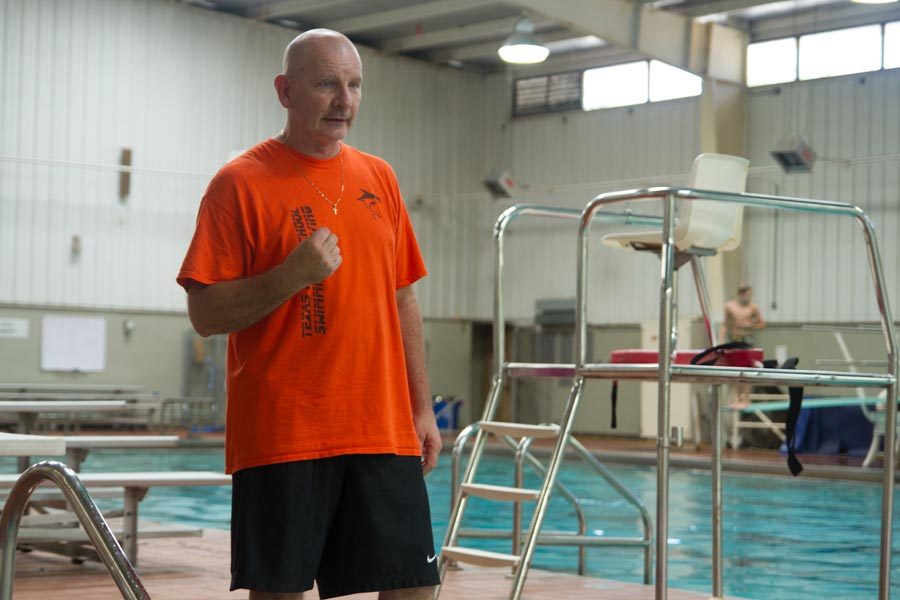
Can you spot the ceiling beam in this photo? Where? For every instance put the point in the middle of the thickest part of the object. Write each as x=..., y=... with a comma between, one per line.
x=613, y=20
x=703, y=8
x=409, y=14
x=576, y=61
x=714, y=7
x=464, y=34
x=836, y=16
x=489, y=49
x=661, y=34
x=278, y=9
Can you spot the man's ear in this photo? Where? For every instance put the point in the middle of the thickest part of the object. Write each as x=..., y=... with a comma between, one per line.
x=283, y=89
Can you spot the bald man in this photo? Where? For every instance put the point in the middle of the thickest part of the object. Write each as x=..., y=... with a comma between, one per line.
x=305, y=256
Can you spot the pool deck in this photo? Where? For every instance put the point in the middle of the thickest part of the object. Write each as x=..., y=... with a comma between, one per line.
x=197, y=569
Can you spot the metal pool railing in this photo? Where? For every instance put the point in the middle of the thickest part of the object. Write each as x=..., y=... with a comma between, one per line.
x=105, y=543
x=666, y=372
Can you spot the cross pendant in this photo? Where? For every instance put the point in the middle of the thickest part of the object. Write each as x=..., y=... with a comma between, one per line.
x=334, y=209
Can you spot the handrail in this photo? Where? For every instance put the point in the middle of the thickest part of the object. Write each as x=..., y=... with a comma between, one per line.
x=580, y=540
x=105, y=543
x=458, y=448
x=620, y=487
x=842, y=328
x=522, y=453
x=498, y=380
x=500, y=226
x=667, y=196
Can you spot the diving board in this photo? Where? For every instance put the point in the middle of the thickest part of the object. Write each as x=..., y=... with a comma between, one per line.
x=807, y=403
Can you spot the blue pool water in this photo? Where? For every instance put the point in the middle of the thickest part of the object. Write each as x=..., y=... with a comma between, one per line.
x=784, y=538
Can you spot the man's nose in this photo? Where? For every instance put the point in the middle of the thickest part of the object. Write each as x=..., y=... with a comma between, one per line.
x=343, y=96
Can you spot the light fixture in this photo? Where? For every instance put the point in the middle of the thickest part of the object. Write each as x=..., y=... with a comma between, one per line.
x=522, y=48
x=873, y=1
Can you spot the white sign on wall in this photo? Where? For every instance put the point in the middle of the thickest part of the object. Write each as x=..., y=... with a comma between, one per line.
x=70, y=343
x=14, y=328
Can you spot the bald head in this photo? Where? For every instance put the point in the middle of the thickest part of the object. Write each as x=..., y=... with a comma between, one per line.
x=321, y=88
x=313, y=44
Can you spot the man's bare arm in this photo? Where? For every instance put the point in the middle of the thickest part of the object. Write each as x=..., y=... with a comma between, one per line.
x=758, y=321
x=230, y=306
x=727, y=324
x=417, y=377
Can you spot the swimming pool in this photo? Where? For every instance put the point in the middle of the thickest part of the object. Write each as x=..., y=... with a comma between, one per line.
x=784, y=538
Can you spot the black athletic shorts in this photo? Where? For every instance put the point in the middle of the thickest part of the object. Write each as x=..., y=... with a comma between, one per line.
x=355, y=523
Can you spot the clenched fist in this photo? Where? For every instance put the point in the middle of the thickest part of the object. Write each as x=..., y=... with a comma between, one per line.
x=315, y=258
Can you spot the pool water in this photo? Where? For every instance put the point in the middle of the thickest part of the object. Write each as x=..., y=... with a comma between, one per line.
x=784, y=538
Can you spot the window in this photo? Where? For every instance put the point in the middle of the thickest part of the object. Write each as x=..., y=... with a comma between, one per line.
x=619, y=85
x=668, y=82
x=772, y=62
x=892, y=45
x=547, y=93
x=841, y=52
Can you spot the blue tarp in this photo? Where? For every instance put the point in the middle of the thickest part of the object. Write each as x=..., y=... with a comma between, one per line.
x=833, y=430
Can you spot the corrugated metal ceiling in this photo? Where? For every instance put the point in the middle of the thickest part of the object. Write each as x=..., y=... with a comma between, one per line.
x=466, y=33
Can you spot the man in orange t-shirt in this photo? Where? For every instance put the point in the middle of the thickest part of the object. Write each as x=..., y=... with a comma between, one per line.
x=304, y=254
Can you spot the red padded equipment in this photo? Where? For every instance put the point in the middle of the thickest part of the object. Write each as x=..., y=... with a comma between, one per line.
x=740, y=357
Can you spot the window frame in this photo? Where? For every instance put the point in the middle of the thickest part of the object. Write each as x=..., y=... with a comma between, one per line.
x=646, y=64
x=879, y=26
x=546, y=107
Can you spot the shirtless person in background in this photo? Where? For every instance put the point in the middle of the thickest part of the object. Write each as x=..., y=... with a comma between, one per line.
x=742, y=319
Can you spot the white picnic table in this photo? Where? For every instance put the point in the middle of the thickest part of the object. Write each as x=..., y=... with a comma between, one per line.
x=19, y=444
x=78, y=446
x=70, y=387
x=136, y=485
x=70, y=396
x=28, y=411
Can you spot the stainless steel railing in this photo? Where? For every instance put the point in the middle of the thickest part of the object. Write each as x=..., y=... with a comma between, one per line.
x=580, y=538
x=500, y=372
x=105, y=543
x=666, y=372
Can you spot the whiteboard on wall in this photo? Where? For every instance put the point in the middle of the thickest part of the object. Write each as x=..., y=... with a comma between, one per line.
x=71, y=343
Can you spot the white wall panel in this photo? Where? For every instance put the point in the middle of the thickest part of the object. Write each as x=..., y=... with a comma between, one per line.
x=813, y=268
x=565, y=160
x=183, y=87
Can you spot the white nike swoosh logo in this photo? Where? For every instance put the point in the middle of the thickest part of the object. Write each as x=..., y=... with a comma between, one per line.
x=431, y=558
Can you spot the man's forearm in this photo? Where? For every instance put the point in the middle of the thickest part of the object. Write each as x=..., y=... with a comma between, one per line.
x=230, y=306
x=417, y=379
x=414, y=350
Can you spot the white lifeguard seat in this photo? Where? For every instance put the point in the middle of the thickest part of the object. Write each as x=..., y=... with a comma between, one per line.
x=702, y=224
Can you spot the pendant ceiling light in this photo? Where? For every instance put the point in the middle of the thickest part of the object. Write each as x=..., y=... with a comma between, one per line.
x=522, y=48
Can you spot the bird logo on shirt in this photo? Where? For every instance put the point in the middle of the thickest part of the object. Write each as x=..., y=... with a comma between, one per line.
x=371, y=202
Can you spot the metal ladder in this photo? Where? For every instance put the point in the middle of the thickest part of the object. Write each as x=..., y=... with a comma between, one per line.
x=105, y=543
x=520, y=558
x=557, y=538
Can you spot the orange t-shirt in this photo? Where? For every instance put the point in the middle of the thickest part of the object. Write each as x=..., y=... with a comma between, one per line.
x=324, y=374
